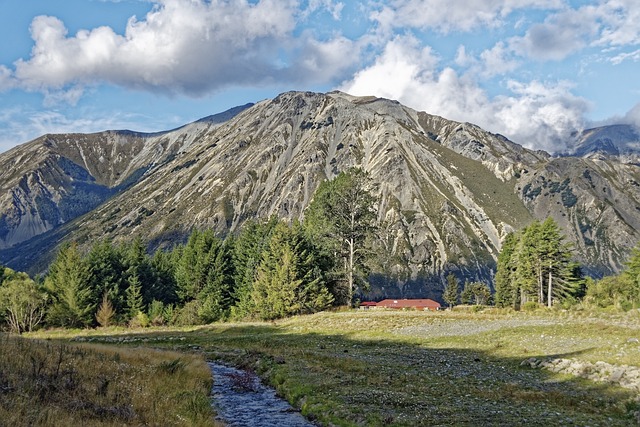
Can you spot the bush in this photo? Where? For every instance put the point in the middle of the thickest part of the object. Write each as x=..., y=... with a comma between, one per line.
x=530, y=306
x=141, y=320
x=188, y=315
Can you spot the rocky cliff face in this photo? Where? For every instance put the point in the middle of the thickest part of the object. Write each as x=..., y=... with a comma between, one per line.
x=449, y=192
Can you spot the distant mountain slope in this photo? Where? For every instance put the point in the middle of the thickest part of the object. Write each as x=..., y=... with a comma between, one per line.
x=620, y=141
x=449, y=192
x=56, y=178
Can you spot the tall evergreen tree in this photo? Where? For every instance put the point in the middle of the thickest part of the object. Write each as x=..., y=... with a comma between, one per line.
x=247, y=252
x=287, y=280
x=451, y=290
x=343, y=214
x=134, y=299
x=68, y=283
x=163, y=285
x=535, y=265
x=506, y=295
x=217, y=294
x=108, y=274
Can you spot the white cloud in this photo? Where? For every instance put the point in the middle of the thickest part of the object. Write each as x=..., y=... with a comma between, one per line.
x=6, y=80
x=497, y=60
x=605, y=24
x=333, y=7
x=184, y=46
x=621, y=57
x=633, y=117
x=535, y=114
x=445, y=16
x=559, y=36
x=619, y=23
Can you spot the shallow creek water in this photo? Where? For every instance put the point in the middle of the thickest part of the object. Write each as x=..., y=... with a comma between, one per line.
x=241, y=400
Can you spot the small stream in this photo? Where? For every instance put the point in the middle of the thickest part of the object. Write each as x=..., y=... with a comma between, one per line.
x=241, y=400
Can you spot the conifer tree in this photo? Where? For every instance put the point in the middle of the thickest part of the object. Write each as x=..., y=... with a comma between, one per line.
x=134, y=300
x=105, y=313
x=535, y=264
x=108, y=274
x=288, y=281
x=451, y=290
x=632, y=273
x=247, y=250
x=68, y=283
x=217, y=295
x=343, y=215
x=507, y=294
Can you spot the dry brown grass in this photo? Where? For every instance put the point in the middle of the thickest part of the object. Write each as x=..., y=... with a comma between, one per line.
x=55, y=384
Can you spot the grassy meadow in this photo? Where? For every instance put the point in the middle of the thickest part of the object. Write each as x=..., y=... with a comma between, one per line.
x=351, y=368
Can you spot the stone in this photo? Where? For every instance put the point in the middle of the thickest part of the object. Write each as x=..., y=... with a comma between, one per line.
x=617, y=375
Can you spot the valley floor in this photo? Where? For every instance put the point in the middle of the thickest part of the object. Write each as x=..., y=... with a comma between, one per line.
x=427, y=368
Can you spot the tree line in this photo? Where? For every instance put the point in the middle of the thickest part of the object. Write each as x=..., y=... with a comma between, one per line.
x=271, y=269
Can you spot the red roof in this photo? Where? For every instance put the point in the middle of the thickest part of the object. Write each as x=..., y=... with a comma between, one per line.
x=368, y=304
x=410, y=303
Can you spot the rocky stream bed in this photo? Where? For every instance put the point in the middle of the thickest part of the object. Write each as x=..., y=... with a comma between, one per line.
x=241, y=400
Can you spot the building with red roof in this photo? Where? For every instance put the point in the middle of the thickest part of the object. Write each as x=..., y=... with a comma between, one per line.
x=416, y=304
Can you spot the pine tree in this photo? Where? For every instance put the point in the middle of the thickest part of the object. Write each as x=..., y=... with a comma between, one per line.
x=535, y=265
x=451, y=290
x=217, y=294
x=108, y=274
x=343, y=214
x=247, y=250
x=68, y=283
x=274, y=291
x=134, y=300
x=466, y=296
x=105, y=313
x=507, y=295
x=288, y=281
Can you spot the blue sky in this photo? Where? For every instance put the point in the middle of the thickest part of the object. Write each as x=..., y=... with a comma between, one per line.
x=533, y=70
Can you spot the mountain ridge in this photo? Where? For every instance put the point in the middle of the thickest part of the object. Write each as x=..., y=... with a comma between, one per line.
x=449, y=191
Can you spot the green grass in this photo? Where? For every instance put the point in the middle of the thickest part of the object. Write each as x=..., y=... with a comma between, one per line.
x=412, y=368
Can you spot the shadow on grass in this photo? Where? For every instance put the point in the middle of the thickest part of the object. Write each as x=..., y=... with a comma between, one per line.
x=344, y=379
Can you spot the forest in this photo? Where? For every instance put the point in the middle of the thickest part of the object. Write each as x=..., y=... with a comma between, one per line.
x=271, y=269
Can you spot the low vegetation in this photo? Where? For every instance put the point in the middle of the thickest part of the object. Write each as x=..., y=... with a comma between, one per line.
x=56, y=384
x=405, y=368
x=350, y=367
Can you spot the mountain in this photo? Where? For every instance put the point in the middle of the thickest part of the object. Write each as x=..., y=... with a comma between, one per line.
x=56, y=178
x=619, y=141
x=449, y=192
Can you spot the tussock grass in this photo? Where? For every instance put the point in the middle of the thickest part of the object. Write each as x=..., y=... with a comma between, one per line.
x=55, y=384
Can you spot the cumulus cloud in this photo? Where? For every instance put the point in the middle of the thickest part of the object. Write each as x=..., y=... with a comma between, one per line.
x=443, y=16
x=184, y=46
x=535, y=114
